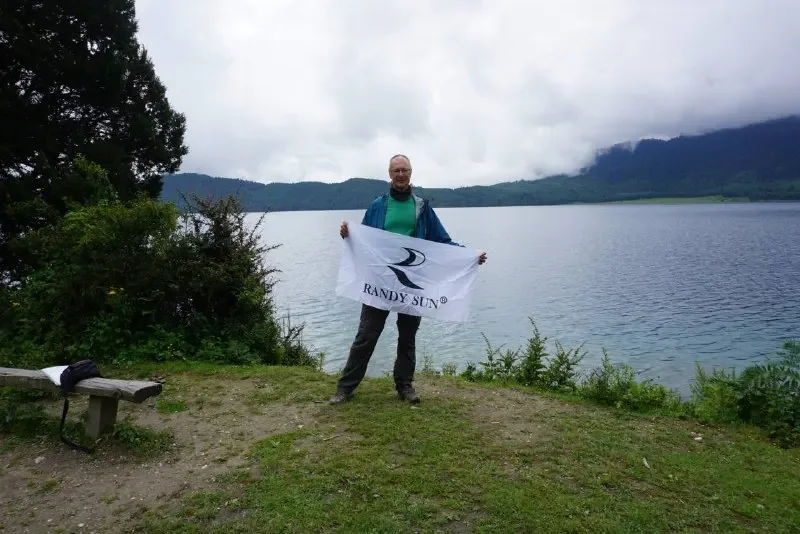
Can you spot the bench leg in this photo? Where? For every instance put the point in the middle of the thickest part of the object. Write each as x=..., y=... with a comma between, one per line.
x=102, y=415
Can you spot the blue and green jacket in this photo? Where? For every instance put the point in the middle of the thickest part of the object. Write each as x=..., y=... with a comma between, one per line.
x=428, y=224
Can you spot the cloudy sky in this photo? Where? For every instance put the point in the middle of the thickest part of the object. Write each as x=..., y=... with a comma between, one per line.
x=475, y=91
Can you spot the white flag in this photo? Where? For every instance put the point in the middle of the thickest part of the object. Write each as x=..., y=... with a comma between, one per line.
x=406, y=274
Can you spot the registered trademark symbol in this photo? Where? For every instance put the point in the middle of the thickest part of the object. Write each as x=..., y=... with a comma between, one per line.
x=443, y=300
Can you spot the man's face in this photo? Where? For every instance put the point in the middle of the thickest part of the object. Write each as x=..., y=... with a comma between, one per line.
x=400, y=173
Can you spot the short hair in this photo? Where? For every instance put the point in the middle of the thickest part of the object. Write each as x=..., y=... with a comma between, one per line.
x=399, y=156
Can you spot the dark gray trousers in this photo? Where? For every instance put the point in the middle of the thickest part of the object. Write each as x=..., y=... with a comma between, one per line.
x=370, y=328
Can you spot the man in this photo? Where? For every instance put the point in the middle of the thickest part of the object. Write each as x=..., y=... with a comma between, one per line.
x=402, y=212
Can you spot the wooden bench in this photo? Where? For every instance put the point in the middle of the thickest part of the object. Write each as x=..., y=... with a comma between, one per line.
x=104, y=394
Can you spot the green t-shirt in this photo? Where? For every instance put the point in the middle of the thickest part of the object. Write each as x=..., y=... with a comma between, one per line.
x=401, y=217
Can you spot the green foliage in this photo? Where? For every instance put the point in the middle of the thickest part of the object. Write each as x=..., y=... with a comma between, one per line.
x=91, y=264
x=766, y=395
x=714, y=396
x=617, y=386
x=769, y=395
x=531, y=367
x=499, y=365
x=77, y=82
x=142, y=441
x=560, y=373
x=137, y=281
x=449, y=369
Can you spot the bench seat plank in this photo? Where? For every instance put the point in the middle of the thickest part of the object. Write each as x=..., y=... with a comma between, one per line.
x=129, y=390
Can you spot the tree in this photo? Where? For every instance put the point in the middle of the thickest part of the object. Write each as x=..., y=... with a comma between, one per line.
x=74, y=81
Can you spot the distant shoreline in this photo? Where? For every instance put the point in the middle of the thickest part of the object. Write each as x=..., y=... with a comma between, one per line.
x=664, y=201
x=716, y=199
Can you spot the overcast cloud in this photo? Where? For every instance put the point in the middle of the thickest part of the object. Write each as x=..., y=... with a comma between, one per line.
x=475, y=92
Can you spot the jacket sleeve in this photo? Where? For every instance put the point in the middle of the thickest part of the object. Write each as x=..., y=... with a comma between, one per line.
x=370, y=214
x=436, y=230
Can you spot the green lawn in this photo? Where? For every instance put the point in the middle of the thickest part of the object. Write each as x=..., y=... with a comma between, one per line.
x=472, y=458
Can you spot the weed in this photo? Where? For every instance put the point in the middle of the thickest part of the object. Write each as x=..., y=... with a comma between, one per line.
x=142, y=441
x=170, y=406
x=617, y=386
x=49, y=485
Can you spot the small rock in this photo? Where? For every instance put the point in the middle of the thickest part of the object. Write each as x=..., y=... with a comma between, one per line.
x=760, y=506
x=38, y=460
x=204, y=467
x=699, y=438
x=80, y=525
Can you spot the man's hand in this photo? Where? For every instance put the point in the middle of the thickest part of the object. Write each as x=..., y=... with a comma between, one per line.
x=482, y=258
x=343, y=230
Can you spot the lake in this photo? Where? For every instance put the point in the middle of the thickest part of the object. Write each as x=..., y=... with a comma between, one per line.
x=660, y=287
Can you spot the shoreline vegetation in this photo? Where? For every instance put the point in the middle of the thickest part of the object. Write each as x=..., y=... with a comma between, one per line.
x=765, y=395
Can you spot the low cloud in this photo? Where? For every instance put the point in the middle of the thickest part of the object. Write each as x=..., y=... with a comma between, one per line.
x=475, y=92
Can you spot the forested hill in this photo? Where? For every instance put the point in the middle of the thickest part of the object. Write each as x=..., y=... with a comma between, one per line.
x=759, y=161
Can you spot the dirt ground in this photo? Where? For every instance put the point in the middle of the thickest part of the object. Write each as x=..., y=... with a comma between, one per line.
x=47, y=487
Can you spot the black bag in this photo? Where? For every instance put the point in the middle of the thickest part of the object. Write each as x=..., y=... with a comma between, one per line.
x=76, y=372
x=70, y=376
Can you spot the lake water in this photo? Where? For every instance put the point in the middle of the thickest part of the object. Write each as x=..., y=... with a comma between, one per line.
x=658, y=286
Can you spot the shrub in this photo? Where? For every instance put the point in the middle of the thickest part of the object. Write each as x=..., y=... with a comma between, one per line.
x=769, y=395
x=560, y=372
x=617, y=386
x=714, y=396
x=133, y=281
x=532, y=367
x=765, y=395
x=498, y=365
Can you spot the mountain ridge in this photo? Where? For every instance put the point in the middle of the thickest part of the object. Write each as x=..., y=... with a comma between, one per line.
x=760, y=161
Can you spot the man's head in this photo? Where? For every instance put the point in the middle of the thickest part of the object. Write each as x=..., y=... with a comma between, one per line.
x=400, y=172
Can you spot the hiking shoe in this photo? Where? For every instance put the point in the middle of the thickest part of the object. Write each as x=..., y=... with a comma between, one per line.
x=339, y=397
x=407, y=393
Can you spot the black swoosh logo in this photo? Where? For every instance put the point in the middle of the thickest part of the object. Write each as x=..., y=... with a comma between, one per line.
x=411, y=260
x=401, y=276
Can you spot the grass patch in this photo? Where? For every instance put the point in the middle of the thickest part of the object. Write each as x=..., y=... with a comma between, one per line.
x=49, y=485
x=142, y=441
x=478, y=457
x=203, y=506
x=378, y=465
x=170, y=406
x=29, y=423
